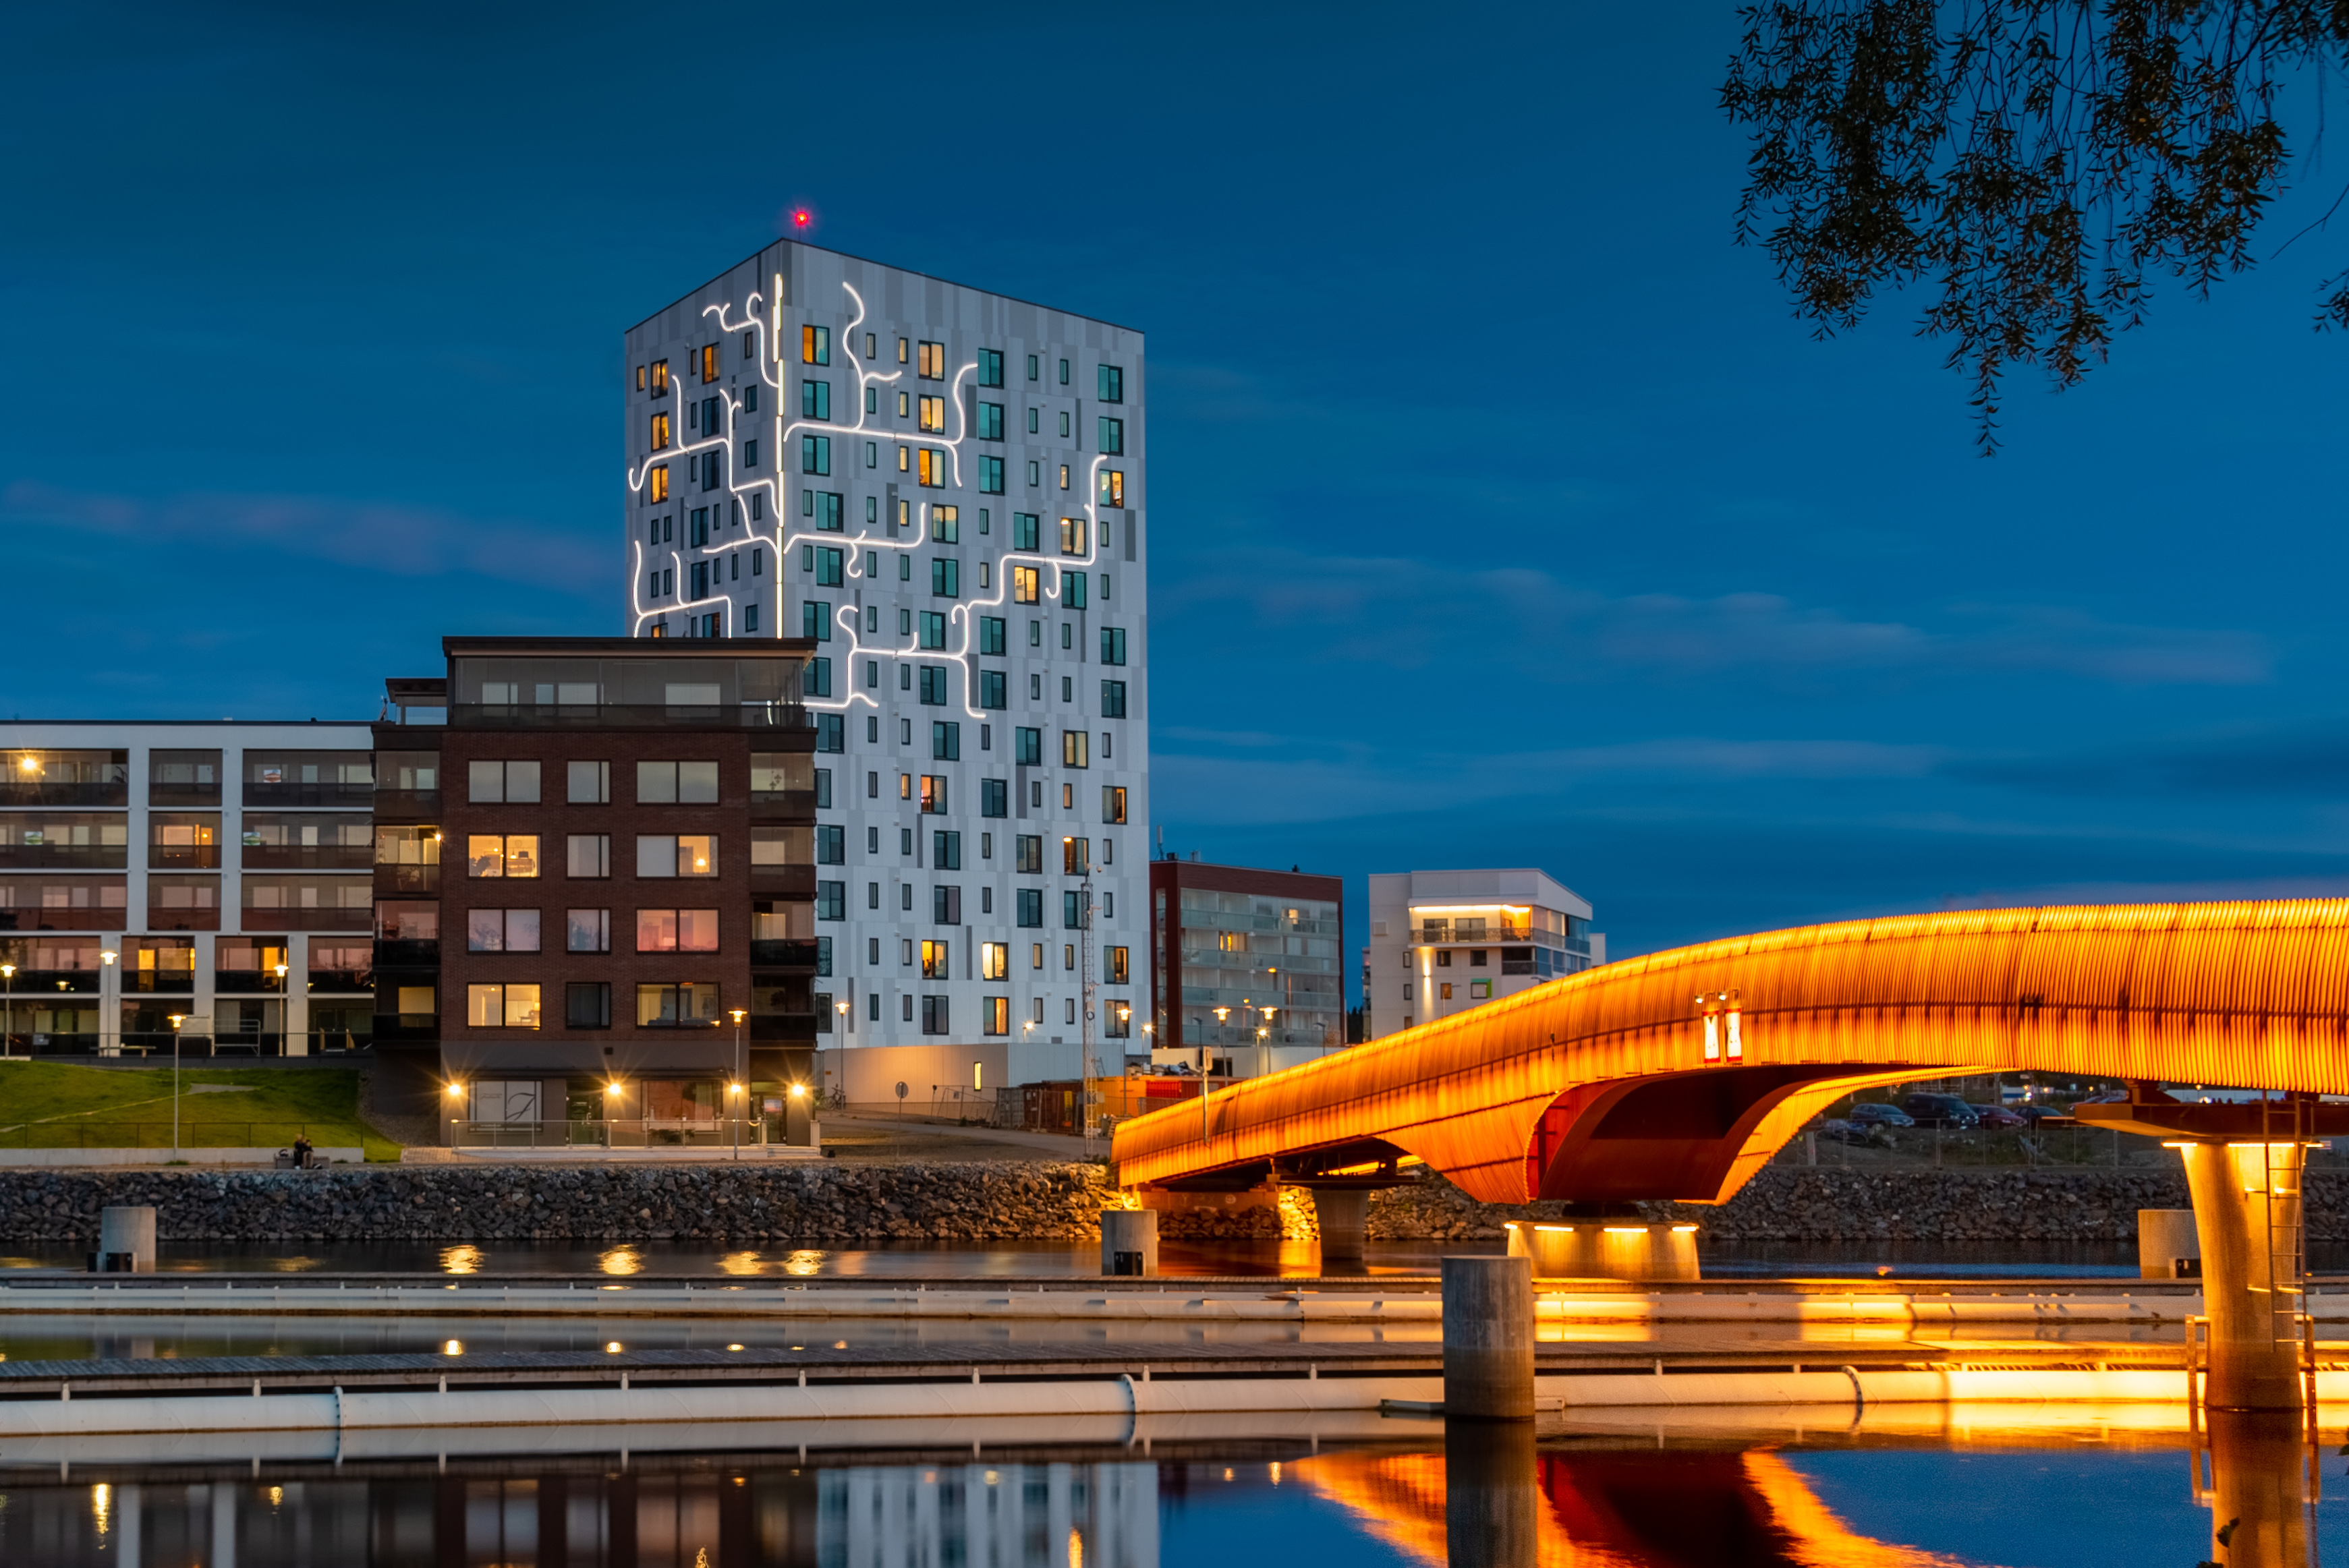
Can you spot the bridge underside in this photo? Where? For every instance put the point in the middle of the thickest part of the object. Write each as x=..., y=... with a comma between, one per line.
x=1680, y=1074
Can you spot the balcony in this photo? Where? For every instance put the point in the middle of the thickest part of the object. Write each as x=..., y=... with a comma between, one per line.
x=406, y=805
x=65, y=856
x=787, y=717
x=398, y=879
x=36, y=982
x=179, y=917
x=792, y=953
x=787, y=1028
x=324, y=917
x=322, y=793
x=183, y=857
x=406, y=1026
x=171, y=797
x=356, y=981
x=309, y=858
x=158, y=982
x=782, y=806
x=248, y=982
x=787, y=882
x=114, y=792
x=408, y=955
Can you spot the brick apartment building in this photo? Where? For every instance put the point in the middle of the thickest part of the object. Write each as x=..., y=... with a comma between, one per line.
x=595, y=879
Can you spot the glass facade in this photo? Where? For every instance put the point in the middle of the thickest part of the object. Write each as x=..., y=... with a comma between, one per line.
x=1270, y=963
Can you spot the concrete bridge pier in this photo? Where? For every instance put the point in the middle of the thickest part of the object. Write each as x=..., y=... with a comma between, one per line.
x=125, y=1240
x=2247, y=1212
x=1342, y=1215
x=1606, y=1249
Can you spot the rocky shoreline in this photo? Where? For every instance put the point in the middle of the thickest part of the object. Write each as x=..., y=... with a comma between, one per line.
x=839, y=1204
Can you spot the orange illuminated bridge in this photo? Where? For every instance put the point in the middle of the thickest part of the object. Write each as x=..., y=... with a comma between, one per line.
x=1677, y=1075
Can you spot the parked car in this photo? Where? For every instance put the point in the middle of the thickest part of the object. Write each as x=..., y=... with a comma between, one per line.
x=1940, y=1110
x=2035, y=1114
x=2000, y=1116
x=1870, y=1113
x=1861, y=1134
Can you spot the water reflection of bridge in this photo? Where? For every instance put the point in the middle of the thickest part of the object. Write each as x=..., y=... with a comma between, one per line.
x=1619, y=1508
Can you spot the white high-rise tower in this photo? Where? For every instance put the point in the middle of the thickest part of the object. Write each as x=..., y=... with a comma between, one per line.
x=942, y=489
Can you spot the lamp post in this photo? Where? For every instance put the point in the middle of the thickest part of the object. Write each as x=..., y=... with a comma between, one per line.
x=177, y=1019
x=284, y=1012
x=8, y=1030
x=1264, y=1035
x=456, y=1093
x=740, y=1087
x=109, y=1013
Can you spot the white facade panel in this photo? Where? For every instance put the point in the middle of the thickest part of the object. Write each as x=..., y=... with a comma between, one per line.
x=945, y=487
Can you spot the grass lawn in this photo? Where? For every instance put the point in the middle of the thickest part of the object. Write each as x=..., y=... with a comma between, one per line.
x=45, y=1105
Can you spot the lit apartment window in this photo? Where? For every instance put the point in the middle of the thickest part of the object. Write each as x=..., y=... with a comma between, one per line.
x=710, y=364
x=502, y=1007
x=662, y=855
x=660, y=379
x=934, y=414
x=994, y=960
x=933, y=365
x=1026, y=582
x=1064, y=476
x=513, y=855
x=995, y=1015
x=1112, y=803
x=1076, y=746
x=946, y=525
x=1112, y=488
x=657, y=484
x=934, y=468
x=660, y=440
x=815, y=346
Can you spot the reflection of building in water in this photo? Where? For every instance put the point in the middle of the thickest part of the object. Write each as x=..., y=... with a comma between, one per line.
x=596, y=1518
x=1614, y=1509
x=1101, y=1516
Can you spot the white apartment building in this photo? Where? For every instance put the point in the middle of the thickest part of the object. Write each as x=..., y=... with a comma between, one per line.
x=1445, y=942
x=221, y=872
x=944, y=489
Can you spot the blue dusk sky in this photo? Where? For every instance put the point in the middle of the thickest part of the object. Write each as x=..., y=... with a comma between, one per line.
x=1502, y=515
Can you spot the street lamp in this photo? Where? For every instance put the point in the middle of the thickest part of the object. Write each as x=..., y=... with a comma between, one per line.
x=284, y=1013
x=1207, y=1057
x=736, y=1088
x=8, y=1030
x=177, y=1019
x=110, y=1018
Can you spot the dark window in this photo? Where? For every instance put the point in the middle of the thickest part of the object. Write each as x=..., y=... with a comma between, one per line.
x=831, y=900
x=1112, y=699
x=990, y=421
x=830, y=849
x=1112, y=436
x=1027, y=748
x=1031, y=907
x=816, y=680
x=993, y=798
x=1027, y=851
x=946, y=741
x=823, y=506
x=934, y=1015
x=1113, y=644
x=991, y=690
x=815, y=454
x=830, y=732
x=815, y=399
x=991, y=368
x=1026, y=528
x=991, y=634
x=587, y=1005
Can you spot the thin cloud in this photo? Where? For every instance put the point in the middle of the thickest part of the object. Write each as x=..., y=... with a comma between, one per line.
x=402, y=540
x=1410, y=613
